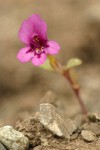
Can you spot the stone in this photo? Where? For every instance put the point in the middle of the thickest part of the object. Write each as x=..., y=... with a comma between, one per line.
x=2, y=147
x=88, y=135
x=94, y=127
x=13, y=139
x=63, y=127
x=94, y=117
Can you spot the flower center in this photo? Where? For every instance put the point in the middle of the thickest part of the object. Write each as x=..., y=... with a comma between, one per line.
x=37, y=45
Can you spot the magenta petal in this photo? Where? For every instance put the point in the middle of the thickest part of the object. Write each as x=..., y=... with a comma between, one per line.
x=26, y=31
x=39, y=26
x=53, y=47
x=37, y=61
x=23, y=56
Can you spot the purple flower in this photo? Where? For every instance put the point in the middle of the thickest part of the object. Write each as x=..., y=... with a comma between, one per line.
x=33, y=33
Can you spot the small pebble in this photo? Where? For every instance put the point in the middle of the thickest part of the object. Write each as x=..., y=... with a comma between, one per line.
x=94, y=127
x=88, y=135
x=13, y=139
x=54, y=122
x=94, y=117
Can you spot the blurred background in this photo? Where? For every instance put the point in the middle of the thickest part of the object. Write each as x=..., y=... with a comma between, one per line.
x=75, y=25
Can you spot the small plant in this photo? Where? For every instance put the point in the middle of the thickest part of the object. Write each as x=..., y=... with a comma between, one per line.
x=41, y=51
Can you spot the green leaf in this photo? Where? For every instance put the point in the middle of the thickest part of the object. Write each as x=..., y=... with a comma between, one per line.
x=47, y=66
x=73, y=62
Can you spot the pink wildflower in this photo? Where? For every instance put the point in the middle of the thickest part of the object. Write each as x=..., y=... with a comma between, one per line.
x=33, y=33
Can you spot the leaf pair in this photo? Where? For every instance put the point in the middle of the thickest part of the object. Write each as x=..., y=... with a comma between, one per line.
x=73, y=62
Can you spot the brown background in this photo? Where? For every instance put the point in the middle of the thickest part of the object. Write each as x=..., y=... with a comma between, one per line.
x=75, y=24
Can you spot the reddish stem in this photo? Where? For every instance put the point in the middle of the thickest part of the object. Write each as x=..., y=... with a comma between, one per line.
x=66, y=73
x=76, y=90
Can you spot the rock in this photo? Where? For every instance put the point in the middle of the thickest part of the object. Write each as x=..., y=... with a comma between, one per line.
x=88, y=135
x=2, y=147
x=13, y=139
x=63, y=127
x=94, y=127
x=94, y=117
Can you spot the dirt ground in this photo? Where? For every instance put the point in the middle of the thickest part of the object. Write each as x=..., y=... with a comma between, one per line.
x=75, y=24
